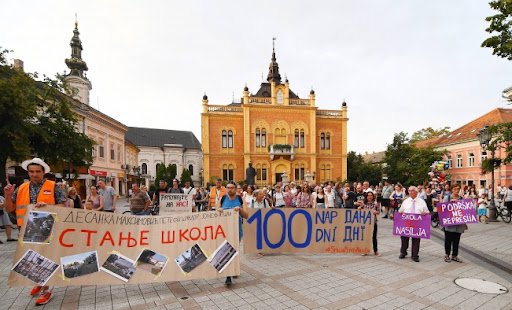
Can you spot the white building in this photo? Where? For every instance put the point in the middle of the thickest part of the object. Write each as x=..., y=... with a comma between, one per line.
x=161, y=146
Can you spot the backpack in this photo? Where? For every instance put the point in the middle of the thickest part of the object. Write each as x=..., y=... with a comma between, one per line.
x=239, y=199
x=265, y=203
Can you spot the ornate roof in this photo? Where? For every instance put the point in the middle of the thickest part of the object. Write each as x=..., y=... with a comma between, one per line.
x=158, y=137
x=75, y=63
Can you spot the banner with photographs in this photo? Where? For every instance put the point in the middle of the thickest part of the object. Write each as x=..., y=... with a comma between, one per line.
x=308, y=231
x=63, y=247
x=176, y=203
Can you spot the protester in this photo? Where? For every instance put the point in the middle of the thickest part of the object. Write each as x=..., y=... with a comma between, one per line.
x=398, y=196
x=201, y=200
x=88, y=205
x=360, y=195
x=373, y=206
x=304, y=197
x=40, y=192
x=140, y=201
x=259, y=201
x=237, y=204
x=288, y=197
x=69, y=202
x=350, y=198
x=430, y=200
x=445, y=192
x=4, y=219
x=278, y=197
x=248, y=195
x=452, y=233
x=507, y=196
x=320, y=199
x=330, y=196
x=162, y=189
x=189, y=190
x=109, y=196
x=294, y=190
x=96, y=199
x=266, y=196
x=472, y=194
x=414, y=205
x=483, y=202
x=216, y=194
x=338, y=195
x=175, y=188
x=77, y=201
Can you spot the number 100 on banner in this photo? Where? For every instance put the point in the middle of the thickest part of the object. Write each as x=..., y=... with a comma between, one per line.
x=308, y=231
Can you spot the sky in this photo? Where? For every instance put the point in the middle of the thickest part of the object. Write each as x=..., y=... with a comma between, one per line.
x=400, y=65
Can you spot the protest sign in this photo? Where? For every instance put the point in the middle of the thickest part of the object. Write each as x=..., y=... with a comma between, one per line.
x=411, y=225
x=176, y=203
x=63, y=247
x=308, y=231
x=457, y=212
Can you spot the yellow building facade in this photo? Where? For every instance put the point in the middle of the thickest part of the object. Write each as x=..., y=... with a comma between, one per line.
x=278, y=132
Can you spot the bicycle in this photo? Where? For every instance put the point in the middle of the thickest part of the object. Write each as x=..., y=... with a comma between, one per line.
x=503, y=211
x=153, y=210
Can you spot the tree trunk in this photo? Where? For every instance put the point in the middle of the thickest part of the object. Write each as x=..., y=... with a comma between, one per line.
x=3, y=171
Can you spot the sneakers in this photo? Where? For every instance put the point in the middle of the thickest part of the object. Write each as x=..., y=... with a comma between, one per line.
x=44, y=298
x=35, y=290
x=228, y=281
x=385, y=216
x=377, y=254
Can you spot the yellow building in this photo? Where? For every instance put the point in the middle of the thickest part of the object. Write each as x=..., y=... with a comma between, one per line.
x=278, y=132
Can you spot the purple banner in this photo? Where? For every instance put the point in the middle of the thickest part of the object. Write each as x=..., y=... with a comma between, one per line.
x=457, y=212
x=412, y=225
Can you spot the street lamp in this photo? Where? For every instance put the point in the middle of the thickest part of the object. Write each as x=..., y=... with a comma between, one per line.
x=485, y=136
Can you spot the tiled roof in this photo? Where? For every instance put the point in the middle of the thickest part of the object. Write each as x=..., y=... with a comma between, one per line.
x=470, y=130
x=159, y=137
x=264, y=91
x=374, y=158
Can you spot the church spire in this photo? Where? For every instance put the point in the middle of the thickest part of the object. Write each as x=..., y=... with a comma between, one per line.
x=273, y=70
x=75, y=63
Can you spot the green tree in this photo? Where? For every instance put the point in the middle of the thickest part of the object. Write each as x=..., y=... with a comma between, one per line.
x=185, y=176
x=429, y=133
x=360, y=170
x=501, y=139
x=165, y=173
x=37, y=119
x=500, y=26
x=408, y=164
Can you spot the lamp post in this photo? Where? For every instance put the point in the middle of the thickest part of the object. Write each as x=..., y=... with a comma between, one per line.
x=484, y=136
x=201, y=177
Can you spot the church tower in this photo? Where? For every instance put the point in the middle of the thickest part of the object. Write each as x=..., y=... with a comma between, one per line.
x=76, y=77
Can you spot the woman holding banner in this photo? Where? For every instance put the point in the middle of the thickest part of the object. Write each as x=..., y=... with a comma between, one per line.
x=452, y=233
x=373, y=206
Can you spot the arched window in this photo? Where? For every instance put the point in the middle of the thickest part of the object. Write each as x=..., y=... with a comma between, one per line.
x=102, y=148
x=157, y=165
x=302, y=140
x=261, y=173
x=144, y=168
x=322, y=141
x=300, y=170
x=261, y=137
x=191, y=169
x=296, y=138
x=325, y=172
x=228, y=172
x=327, y=141
x=230, y=139
x=224, y=139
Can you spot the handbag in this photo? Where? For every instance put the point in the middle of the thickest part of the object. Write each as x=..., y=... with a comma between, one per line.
x=393, y=203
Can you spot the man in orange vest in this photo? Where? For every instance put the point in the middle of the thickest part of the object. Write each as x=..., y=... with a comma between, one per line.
x=38, y=191
x=216, y=194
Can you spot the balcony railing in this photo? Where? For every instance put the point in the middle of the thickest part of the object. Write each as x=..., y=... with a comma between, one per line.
x=260, y=100
x=221, y=108
x=278, y=150
x=331, y=113
x=299, y=101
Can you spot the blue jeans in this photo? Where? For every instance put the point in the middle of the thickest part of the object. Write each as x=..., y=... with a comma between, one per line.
x=141, y=213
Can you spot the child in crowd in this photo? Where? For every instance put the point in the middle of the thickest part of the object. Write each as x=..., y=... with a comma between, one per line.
x=88, y=205
x=482, y=207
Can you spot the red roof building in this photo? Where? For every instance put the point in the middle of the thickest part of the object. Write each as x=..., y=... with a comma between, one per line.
x=465, y=154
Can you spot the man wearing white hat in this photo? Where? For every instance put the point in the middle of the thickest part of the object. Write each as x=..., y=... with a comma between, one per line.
x=38, y=191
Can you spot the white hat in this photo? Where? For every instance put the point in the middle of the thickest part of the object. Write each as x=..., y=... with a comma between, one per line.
x=37, y=161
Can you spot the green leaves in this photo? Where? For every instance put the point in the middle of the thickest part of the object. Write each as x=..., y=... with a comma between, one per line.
x=500, y=24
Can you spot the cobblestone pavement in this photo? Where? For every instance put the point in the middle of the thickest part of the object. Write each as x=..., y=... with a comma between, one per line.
x=312, y=281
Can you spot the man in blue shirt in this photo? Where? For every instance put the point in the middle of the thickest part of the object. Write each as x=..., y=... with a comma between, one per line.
x=232, y=201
